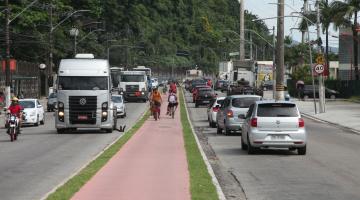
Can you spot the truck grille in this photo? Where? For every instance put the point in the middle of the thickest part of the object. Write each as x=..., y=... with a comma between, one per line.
x=132, y=88
x=82, y=109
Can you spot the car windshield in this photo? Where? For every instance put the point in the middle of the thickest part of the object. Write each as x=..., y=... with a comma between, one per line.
x=52, y=95
x=83, y=83
x=27, y=104
x=116, y=99
x=244, y=102
x=277, y=110
x=203, y=92
x=219, y=101
x=132, y=78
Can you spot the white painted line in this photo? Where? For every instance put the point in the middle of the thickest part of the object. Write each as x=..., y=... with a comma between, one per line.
x=86, y=164
x=208, y=166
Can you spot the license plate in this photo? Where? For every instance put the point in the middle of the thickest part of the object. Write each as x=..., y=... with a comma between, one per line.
x=82, y=117
x=131, y=95
x=278, y=137
x=206, y=101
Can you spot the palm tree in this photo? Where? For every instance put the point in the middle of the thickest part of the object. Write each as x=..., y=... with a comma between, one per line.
x=344, y=13
x=326, y=18
x=303, y=26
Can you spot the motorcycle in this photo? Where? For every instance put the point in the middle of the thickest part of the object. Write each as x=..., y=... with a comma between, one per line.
x=13, y=127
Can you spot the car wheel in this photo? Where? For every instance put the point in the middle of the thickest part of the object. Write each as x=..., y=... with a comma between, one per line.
x=251, y=149
x=218, y=130
x=42, y=122
x=302, y=150
x=243, y=145
x=227, y=131
x=60, y=130
x=213, y=125
x=37, y=121
x=333, y=97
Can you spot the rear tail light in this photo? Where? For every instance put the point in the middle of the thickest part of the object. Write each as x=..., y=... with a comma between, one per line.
x=301, y=123
x=253, y=122
x=215, y=109
x=230, y=113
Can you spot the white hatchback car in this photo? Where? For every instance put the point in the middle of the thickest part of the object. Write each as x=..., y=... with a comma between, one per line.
x=273, y=124
x=213, y=109
x=118, y=101
x=33, y=111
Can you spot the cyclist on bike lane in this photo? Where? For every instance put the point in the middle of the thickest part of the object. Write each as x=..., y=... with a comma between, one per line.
x=173, y=102
x=156, y=100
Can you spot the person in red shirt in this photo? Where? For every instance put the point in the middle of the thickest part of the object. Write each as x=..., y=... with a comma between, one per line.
x=172, y=87
x=16, y=109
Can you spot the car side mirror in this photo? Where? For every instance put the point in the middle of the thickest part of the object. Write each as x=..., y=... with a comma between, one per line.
x=241, y=116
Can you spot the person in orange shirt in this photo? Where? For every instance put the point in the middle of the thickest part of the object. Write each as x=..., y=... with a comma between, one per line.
x=156, y=101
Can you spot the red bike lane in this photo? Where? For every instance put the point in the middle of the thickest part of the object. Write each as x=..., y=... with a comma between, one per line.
x=152, y=165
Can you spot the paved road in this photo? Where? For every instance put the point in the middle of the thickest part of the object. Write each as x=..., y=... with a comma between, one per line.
x=330, y=170
x=41, y=158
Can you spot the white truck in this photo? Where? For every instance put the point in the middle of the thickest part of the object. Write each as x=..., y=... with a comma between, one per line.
x=239, y=74
x=134, y=85
x=225, y=69
x=84, y=95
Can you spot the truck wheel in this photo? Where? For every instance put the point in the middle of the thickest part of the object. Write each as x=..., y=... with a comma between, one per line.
x=110, y=130
x=60, y=130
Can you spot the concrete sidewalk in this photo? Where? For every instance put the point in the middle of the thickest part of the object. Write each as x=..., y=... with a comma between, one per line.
x=339, y=112
x=152, y=165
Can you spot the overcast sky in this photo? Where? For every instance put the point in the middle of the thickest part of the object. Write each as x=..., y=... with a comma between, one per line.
x=263, y=9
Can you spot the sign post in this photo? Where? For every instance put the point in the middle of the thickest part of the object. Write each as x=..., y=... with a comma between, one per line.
x=319, y=69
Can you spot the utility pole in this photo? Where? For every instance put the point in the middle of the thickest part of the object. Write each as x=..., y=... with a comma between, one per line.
x=251, y=47
x=7, y=61
x=274, y=63
x=280, y=71
x=242, y=31
x=321, y=77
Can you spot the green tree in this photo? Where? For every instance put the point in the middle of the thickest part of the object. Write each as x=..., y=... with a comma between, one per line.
x=344, y=13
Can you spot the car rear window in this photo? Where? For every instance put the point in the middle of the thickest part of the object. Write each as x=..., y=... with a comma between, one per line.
x=244, y=102
x=205, y=91
x=277, y=110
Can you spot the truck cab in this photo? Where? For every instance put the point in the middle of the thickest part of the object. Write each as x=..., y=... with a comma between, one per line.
x=84, y=95
x=134, y=85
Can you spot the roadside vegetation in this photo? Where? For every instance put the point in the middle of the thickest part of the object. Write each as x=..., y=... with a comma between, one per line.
x=73, y=185
x=201, y=185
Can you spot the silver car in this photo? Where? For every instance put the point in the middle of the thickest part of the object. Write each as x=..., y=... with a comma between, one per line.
x=213, y=109
x=227, y=118
x=118, y=101
x=273, y=124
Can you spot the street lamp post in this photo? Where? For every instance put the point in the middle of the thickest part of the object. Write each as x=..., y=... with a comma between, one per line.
x=74, y=32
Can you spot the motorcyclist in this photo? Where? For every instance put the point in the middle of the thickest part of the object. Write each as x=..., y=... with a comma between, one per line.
x=16, y=109
x=172, y=99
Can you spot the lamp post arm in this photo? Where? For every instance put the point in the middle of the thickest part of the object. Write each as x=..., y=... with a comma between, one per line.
x=66, y=18
x=87, y=35
x=25, y=9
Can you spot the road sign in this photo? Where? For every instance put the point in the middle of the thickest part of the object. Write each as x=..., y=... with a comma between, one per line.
x=319, y=69
x=320, y=60
x=234, y=54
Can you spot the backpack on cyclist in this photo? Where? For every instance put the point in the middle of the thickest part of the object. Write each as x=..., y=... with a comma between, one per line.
x=172, y=98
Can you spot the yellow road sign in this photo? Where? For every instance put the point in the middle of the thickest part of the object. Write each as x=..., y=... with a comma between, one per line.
x=320, y=60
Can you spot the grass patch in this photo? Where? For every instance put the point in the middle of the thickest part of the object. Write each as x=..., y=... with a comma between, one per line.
x=354, y=99
x=201, y=185
x=73, y=185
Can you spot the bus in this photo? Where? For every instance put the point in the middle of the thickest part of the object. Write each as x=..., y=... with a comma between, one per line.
x=193, y=74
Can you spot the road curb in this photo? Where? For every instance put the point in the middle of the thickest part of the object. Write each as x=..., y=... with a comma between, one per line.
x=206, y=160
x=331, y=123
x=91, y=160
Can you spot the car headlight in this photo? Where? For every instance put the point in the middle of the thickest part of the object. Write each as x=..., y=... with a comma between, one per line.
x=104, y=114
x=61, y=114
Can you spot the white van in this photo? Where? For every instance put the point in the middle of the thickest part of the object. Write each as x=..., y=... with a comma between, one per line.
x=84, y=95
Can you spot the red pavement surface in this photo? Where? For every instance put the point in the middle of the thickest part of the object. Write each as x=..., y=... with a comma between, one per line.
x=152, y=165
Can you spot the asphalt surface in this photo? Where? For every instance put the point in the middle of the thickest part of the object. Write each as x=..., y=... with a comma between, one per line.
x=41, y=159
x=330, y=170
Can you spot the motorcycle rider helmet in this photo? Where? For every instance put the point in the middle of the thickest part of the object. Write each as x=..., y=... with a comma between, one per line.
x=15, y=99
